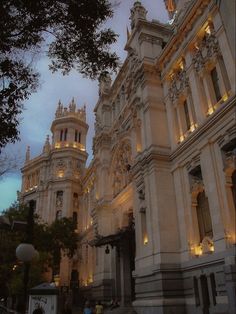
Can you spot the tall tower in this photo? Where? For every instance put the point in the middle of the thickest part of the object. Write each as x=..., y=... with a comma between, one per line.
x=68, y=158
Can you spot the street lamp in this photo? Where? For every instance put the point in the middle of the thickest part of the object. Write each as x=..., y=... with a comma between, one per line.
x=26, y=251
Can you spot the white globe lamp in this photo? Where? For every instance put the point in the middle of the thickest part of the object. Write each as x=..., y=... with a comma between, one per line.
x=25, y=252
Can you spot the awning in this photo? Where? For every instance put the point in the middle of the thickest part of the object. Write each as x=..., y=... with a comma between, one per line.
x=112, y=239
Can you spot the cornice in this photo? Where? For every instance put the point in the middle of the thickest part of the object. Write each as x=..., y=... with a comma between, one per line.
x=182, y=30
x=67, y=120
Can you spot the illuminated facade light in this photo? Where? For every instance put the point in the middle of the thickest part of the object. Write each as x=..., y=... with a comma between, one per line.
x=181, y=138
x=225, y=97
x=210, y=111
x=198, y=250
x=60, y=174
x=192, y=128
x=145, y=240
x=208, y=30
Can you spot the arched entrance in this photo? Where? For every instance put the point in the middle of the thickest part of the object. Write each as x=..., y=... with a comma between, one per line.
x=124, y=244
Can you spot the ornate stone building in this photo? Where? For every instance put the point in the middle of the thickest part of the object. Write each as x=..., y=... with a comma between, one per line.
x=156, y=206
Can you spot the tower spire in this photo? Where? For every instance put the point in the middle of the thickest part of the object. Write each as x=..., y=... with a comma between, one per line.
x=27, y=155
x=46, y=147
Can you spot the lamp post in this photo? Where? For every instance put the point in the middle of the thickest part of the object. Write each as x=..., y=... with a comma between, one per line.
x=26, y=251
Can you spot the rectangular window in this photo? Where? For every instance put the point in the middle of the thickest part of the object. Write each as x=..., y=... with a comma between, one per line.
x=186, y=113
x=61, y=135
x=215, y=82
x=196, y=291
x=76, y=135
x=65, y=135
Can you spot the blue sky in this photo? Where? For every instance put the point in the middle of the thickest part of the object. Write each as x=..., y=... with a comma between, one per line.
x=40, y=108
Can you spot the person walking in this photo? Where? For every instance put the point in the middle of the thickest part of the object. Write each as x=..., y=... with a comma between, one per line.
x=98, y=308
x=87, y=308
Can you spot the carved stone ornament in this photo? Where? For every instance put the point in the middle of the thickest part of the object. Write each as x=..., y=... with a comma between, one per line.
x=207, y=245
x=197, y=186
x=179, y=84
x=121, y=167
x=104, y=85
x=61, y=165
x=230, y=161
x=59, y=200
x=207, y=50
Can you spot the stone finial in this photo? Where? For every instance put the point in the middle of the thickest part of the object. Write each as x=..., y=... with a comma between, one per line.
x=72, y=105
x=27, y=155
x=105, y=84
x=138, y=12
x=46, y=147
x=59, y=109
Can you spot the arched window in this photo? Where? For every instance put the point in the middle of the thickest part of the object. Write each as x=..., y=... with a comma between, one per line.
x=76, y=135
x=203, y=216
x=65, y=135
x=61, y=136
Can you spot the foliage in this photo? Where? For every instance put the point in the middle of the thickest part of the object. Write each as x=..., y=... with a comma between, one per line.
x=8, y=163
x=50, y=240
x=73, y=31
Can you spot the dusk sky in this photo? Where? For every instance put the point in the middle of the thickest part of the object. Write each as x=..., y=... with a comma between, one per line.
x=40, y=108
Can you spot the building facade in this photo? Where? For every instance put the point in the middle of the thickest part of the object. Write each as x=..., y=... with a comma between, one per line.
x=156, y=206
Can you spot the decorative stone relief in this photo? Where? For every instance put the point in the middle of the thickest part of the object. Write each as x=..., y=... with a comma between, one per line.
x=104, y=85
x=134, y=65
x=206, y=51
x=179, y=84
x=207, y=245
x=121, y=166
x=196, y=186
x=59, y=200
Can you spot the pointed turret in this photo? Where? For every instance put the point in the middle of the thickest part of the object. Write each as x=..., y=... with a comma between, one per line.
x=59, y=110
x=27, y=155
x=138, y=12
x=72, y=105
x=47, y=146
x=105, y=84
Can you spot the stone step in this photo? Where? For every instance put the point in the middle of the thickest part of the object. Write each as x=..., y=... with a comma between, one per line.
x=121, y=310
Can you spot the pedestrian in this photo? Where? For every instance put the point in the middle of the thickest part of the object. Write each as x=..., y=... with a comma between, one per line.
x=98, y=308
x=114, y=304
x=87, y=308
